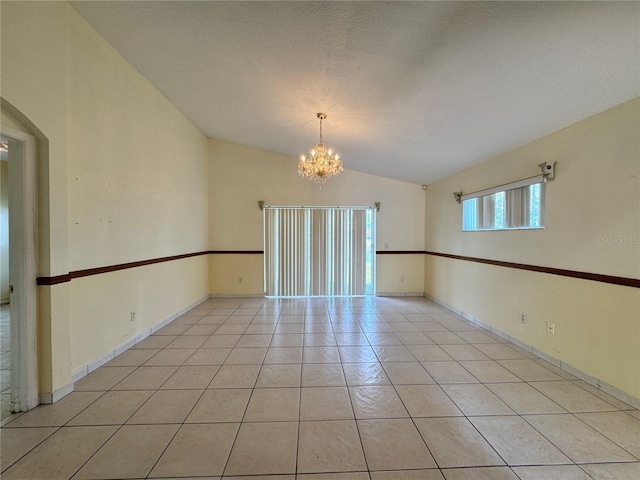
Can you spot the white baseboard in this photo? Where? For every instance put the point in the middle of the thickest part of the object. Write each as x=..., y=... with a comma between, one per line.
x=87, y=369
x=47, y=398
x=591, y=380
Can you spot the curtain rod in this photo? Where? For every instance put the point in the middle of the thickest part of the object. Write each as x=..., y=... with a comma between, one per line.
x=375, y=206
x=548, y=173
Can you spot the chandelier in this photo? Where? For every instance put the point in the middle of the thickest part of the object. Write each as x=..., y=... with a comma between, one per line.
x=322, y=163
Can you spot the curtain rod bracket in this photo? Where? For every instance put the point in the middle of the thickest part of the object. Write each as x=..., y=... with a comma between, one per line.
x=457, y=196
x=548, y=170
x=261, y=204
x=377, y=204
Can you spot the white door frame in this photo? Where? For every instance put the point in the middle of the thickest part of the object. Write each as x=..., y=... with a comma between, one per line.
x=22, y=269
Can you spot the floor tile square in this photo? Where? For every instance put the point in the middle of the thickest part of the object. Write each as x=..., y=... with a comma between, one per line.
x=377, y=402
x=166, y=406
x=427, y=401
x=197, y=450
x=264, y=449
x=188, y=341
x=320, y=355
x=201, y=329
x=449, y=372
x=407, y=373
x=281, y=355
x=446, y=338
x=170, y=356
x=287, y=340
x=220, y=405
x=464, y=352
x=130, y=453
x=325, y=403
x=60, y=455
x=322, y=375
x=577, y=440
x=102, y=379
x=393, y=353
x=235, y=376
x=572, y=398
x=455, y=443
x=429, y=353
x=230, y=329
x=393, y=444
x=489, y=371
x=208, y=356
x=273, y=405
x=476, y=399
x=113, y=408
x=191, y=377
x=16, y=442
x=357, y=354
x=365, y=374
x=262, y=328
x=517, y=442
x=221, y=341
x=330, y=446
x=254, y=341
x=529, y=371
x=351, y=338
x=146, y=378
x=132, y=357
x=618, y=427
x=246, y=356
x=524, y=399
x=279, y=376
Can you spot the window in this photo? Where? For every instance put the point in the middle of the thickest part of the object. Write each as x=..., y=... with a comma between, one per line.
x=319, y=251
x=518, y=208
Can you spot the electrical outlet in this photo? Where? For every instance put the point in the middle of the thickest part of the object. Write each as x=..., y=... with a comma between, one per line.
x=401, y=279
x=551, y=328
x=133, y=316
x=523, y=317
x=239, y=279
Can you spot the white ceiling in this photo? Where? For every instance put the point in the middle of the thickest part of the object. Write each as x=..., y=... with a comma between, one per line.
x=413, y=90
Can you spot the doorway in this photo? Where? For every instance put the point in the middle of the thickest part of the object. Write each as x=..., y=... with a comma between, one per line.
x=5, y=326
x=18, y=287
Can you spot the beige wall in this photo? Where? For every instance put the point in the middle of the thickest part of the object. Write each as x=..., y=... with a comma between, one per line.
x=241, y=176
x=592, y=225
x=4, y=231
x=124, y=178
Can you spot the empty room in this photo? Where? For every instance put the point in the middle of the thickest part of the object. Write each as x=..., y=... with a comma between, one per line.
x=313, y=240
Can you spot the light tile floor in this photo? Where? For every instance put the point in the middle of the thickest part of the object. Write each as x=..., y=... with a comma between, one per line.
x=341, y=389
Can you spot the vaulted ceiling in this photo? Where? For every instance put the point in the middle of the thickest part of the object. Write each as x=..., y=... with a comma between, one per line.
x=413, y=90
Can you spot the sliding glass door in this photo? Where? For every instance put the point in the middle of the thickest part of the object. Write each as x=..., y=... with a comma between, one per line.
x=318, y=251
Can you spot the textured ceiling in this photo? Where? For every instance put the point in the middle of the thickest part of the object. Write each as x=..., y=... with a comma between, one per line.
x=413, y=90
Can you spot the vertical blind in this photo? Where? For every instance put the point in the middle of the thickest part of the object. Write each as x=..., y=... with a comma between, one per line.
x=316, y=251
x=521, y=207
